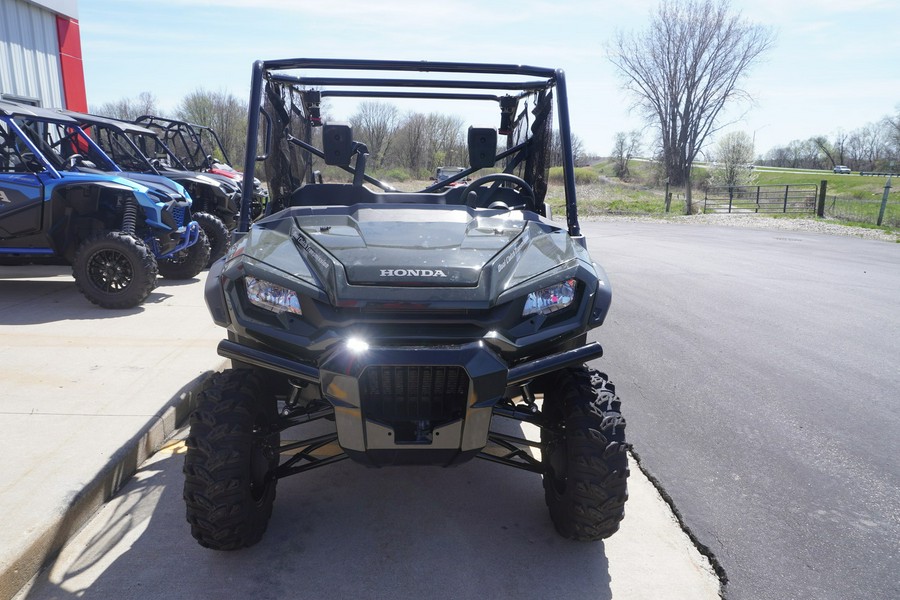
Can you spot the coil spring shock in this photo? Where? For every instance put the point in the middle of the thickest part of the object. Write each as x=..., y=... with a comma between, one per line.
x=129, y=219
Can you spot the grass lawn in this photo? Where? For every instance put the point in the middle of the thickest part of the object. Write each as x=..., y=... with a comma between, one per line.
x=853, y=185
x=851, y=198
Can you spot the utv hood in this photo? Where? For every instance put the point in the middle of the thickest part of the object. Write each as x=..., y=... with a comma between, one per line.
x=421, y=247
x=162, y=184
x=412, y=247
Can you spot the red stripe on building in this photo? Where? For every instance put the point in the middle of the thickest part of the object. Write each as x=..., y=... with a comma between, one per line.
x=70, y=63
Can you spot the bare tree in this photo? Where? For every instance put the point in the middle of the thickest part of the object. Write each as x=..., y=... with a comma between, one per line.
x=128, y=109
x=556, y=153
x=827, y=149
x=413, y=142
x=224, y=113
x=424, y=142
x=684, y=69
x=733, y=155
x=891, y=125
x=871, y=145
x=626, y=146
x=375, y=123
x=446, y=140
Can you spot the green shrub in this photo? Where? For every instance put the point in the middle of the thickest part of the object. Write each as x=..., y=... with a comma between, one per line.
x=556, y=174
x=583, y=175
x=395, y=174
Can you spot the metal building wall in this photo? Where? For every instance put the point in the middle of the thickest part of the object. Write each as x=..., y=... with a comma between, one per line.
x=29, y=53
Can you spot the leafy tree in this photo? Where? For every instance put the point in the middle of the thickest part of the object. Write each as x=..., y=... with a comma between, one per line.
x=684, y=69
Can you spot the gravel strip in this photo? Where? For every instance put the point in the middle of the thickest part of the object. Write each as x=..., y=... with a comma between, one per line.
x=758, y=222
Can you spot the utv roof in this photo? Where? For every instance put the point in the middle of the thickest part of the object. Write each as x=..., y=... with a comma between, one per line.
x=13, y=109
x=122, y=126
x=527, y=78
x=169, y=120
x=195, y=132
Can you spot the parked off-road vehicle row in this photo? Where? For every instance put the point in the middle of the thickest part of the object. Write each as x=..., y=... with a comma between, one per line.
x=111, y=199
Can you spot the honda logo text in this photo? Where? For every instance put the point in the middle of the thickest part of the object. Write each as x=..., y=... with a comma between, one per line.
x=412, y=273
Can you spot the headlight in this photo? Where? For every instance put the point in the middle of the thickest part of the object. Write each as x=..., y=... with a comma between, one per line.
x=272, y=297
x=550, y=299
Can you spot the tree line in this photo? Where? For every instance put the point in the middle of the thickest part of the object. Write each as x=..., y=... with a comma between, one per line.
x=223, y=112
x=872, y=147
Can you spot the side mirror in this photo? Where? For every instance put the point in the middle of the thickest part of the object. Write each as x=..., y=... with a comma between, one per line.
x=337, y=143
x=482, y=147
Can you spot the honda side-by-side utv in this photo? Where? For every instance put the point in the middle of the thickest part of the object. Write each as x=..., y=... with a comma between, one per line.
x=405, y=322
x=118, y=234
x=214, y=201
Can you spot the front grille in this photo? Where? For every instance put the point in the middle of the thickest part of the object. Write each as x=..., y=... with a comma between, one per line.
x=178, y=213
x=414, y=393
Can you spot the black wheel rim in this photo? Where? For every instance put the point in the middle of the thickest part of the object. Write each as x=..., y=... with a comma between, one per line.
x=110, y=271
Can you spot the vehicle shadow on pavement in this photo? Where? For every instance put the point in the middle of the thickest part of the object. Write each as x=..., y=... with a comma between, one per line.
x=162, y=282
x=35, y=300
x=342, y=531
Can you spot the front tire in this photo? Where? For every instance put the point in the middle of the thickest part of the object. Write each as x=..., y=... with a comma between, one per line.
x=217, y=234
x=114, y=270
x=229, y=468
x=584, y=455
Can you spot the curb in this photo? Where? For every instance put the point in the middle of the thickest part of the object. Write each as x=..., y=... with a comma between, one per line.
x=46, y=544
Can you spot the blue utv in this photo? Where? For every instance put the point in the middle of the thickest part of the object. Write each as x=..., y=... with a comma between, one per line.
x=55, y=206
x=139, y=152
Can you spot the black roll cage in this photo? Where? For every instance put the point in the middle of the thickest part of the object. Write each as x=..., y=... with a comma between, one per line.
x=185, y=132
x=531, y=79
x=122, y=129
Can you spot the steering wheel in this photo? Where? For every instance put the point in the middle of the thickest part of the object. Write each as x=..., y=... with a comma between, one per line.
x=73, y=160
x=475, y=200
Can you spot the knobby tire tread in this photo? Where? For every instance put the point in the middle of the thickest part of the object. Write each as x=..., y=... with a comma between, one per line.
x=220, y=507
x=590, y=503
x=217, y=234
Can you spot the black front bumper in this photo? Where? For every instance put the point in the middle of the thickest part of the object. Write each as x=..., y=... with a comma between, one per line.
x=412, y=405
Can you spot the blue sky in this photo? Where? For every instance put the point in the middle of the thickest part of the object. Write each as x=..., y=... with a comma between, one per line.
x=835, y=65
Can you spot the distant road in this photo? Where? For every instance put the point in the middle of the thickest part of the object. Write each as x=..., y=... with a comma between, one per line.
x=817, y=172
